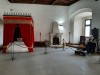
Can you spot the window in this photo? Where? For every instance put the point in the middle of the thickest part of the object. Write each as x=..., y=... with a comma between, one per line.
x=87, y=27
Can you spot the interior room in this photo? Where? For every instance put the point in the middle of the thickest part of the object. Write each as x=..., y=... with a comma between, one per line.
x=49, y=37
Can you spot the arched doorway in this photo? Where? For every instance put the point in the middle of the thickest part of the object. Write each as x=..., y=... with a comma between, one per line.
x=77, y=23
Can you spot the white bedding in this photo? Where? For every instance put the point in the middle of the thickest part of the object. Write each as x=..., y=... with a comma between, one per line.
x=18, y=48
x=56, y=46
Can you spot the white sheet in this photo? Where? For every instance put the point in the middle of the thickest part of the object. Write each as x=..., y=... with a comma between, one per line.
x=18, y=48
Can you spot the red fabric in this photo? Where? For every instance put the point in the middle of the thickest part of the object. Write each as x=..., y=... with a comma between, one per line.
x=17, y=18
x=27, y=35
x=8, y=35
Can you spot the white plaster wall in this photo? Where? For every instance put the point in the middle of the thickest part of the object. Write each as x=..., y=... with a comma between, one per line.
x=77, y=29
x=92, y=4
x=43, y=16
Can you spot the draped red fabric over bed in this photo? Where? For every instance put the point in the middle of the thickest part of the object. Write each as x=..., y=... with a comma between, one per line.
x=26, y=27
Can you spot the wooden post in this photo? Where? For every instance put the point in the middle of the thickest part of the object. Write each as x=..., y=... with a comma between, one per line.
x=69, y=37
x=49, y=37
x=40, y=40
x=40, y=36
x=63, y=45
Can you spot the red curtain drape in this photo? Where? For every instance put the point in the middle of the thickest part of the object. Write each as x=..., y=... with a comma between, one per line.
x=27, y=35
x=8, y=35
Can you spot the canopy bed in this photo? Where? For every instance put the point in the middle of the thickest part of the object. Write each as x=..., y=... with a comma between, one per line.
x=26, y=26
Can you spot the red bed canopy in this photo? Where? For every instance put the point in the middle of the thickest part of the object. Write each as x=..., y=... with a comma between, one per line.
x=26, y=28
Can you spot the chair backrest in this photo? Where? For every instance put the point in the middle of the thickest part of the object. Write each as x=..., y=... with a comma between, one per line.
x=82, y=40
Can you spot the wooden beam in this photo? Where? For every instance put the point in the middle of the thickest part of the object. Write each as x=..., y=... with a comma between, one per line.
x=34, y=1
x=52, y=3
x=55, y=1
x=11, y=1
x=65, y=1
x=72, y=2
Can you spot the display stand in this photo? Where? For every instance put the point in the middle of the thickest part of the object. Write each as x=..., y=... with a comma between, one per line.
x=45, y=50
x=47, y=43
x=12, y=52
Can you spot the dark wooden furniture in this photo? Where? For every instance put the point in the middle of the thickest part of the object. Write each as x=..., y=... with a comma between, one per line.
x=39, y=44
x=46, y=2
x=90, y=47
x=82, y=40
x=95, y=33
x=79, y=50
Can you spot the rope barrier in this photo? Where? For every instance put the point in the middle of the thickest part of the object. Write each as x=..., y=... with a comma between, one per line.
x=17, y=45
x=9, y=45
x=22, y=46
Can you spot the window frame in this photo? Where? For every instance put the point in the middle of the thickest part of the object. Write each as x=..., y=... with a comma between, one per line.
x=87, y=26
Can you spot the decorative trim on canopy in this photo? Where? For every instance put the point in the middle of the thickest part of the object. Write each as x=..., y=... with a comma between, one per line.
x=18, y=20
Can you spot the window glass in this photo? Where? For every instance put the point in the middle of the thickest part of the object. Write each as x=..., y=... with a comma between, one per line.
x=88, y=22
x=87, y=31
